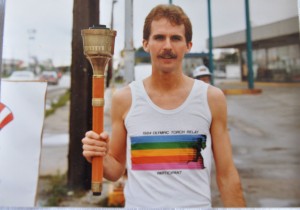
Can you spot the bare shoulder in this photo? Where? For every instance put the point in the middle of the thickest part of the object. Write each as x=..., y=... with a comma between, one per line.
x=215, y=93
x=121, y=99
x=122, y=93
x=216, y=99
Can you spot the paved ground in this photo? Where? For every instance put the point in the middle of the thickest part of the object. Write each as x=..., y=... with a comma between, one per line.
x=264, y=129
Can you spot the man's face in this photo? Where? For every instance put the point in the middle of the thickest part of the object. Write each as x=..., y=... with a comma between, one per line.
x=167, y=45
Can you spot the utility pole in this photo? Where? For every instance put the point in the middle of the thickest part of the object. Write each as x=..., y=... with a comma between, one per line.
x=2, y=11
x=31, y=37
x=110, y=72
x=85, y=15
x=211, y=58
x=249, y=46
x=129, y=50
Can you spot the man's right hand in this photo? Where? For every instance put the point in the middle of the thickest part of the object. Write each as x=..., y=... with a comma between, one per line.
x=94, y=145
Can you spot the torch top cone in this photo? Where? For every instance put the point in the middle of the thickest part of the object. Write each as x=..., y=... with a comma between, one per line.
x=98, y=40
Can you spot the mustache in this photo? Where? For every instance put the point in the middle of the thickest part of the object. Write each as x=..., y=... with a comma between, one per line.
x=167, y=54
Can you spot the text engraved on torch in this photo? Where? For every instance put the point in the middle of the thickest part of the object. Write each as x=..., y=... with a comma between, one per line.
x=98, y=48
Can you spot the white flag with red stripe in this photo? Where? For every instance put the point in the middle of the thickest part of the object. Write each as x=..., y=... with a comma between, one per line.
x=22, y=111
x=6, y=116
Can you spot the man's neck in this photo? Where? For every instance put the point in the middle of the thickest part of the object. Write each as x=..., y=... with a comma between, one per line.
x=168, y=92
x=167, y=81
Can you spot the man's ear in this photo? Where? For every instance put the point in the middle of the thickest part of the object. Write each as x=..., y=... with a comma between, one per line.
x=145, y=45
x=189, y=47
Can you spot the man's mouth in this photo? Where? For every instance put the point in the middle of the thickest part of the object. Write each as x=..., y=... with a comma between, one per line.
x=167, y=55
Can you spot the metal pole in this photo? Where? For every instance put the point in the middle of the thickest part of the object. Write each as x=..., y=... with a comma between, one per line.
x=170, y=2
x=249, y=46
x=111, y=62
x=129, y=50
x=211, y=58
x=112, y=14
x=2, y=12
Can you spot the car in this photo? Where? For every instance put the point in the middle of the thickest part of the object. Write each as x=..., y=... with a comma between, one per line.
x=50, y=76
x=24, y=75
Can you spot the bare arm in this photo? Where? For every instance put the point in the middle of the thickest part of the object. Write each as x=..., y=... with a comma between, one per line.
x=228, y=179
x=114, y=150
x=115, y=161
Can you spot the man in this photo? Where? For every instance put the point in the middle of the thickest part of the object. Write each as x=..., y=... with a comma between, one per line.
x=157, y=124
x=202, y=73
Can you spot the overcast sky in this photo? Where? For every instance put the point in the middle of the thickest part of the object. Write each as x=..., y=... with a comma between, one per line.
x=52, y=22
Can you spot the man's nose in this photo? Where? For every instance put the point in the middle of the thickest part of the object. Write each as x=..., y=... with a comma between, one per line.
x=167, y=44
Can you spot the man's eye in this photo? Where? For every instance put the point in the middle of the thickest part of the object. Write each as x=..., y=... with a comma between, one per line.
x=176, y=38
x=159, y=38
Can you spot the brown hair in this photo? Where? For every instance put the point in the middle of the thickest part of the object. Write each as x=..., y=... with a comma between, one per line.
x=174, y=14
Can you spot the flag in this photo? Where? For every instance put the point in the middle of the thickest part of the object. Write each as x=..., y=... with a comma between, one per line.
x=22, y=111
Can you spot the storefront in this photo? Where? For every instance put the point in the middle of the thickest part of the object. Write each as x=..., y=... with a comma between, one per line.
x=276, y=50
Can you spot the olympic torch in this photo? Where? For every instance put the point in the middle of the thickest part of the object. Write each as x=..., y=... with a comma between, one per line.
x=98, y=47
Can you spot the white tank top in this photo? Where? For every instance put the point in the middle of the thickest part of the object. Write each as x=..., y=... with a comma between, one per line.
x=169, y=152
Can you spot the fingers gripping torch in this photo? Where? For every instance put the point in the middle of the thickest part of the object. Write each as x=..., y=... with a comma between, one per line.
x=98, y=47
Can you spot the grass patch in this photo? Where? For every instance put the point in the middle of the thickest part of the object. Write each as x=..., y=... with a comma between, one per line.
x=62, y=101
x=58, y=190
x=54, y=191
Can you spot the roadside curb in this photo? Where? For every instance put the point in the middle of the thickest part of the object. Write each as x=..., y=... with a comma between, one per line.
x=241, y=87
x=262, y=84
x=241, y=91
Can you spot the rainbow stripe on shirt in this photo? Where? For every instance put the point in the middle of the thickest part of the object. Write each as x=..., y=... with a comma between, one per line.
x=167, y=152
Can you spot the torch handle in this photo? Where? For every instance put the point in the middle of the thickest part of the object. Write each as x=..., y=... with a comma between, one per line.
x=98, y=110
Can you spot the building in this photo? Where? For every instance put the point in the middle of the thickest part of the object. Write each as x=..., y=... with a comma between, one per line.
x=276, y=50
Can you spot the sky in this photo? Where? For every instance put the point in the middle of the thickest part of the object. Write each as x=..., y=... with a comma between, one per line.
x=42, y=28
